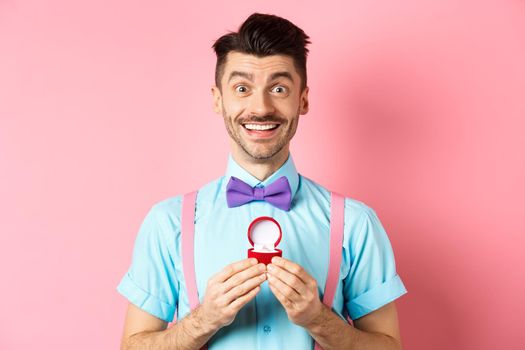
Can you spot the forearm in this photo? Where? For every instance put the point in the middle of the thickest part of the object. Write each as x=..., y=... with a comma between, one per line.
x=332, y=333
x=191, y=333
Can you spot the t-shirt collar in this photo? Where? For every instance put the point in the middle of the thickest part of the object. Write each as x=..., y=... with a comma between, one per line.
x=287, y=169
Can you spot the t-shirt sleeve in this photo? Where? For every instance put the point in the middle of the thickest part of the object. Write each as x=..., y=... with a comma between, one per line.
x=372, y=280
x=150, y=282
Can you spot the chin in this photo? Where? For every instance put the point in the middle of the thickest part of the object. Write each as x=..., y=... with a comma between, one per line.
x=263, y=155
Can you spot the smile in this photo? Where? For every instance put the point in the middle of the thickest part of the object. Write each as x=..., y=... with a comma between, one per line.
x=261, y=131
x=260, y=126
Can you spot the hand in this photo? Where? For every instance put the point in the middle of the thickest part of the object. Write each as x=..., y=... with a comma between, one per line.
x=229, y=290
x=296, y=290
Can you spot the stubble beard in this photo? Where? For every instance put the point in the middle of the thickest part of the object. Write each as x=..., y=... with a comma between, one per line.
x=264, y=153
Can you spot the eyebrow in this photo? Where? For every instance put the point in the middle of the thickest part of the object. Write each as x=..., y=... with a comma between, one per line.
x=249, y=76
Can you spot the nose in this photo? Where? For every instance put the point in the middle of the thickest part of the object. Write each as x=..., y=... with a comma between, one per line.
x=261, y=104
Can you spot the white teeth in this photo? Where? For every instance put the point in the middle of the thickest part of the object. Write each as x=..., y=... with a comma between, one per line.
x=260, y=127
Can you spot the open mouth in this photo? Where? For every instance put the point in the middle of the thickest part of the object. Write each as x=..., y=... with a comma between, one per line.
x=261, y=131
x=260, y=127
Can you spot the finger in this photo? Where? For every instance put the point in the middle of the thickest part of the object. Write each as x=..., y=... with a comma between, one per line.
x=283, y=288
x=285, y=302
x=288, y=278
x=241, y=277
x=232, y=269
x=292, y=268
x=238, y=303
x=244, y=288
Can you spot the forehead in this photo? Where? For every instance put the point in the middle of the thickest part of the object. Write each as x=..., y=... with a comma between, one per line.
x=258, y=66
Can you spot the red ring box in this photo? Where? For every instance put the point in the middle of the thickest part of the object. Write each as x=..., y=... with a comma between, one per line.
x=264, y=233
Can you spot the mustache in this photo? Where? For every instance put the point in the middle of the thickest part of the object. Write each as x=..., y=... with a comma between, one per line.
x=265, y=119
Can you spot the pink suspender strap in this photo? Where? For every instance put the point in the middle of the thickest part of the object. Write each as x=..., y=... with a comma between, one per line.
x=188, y=230
x=187, y=237
x=337, y=212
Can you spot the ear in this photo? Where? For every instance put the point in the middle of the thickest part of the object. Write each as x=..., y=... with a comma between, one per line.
x=304, y=104
x=217, y=99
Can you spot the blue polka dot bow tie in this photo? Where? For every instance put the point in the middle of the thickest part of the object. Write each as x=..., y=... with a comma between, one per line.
x=278, y=193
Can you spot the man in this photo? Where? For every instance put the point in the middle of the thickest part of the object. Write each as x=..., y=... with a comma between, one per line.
x=260, y=91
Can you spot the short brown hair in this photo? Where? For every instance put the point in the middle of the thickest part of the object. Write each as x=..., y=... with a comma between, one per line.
x=264, y=35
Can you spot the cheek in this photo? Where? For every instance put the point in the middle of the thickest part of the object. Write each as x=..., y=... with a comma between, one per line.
x=288, y=109
x=233, y=107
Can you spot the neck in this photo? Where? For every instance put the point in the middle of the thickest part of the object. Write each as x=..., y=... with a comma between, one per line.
x=261, y=168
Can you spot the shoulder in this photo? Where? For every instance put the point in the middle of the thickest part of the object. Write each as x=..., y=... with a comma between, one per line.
x=357, y=214
x=167, y=209
x=167, y=212
x=354, y=208
x=161, y=224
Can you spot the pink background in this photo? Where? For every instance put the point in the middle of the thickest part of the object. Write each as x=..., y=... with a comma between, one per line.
x=417, y=109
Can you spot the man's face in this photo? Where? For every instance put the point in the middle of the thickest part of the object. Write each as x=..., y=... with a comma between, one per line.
x=260, y=101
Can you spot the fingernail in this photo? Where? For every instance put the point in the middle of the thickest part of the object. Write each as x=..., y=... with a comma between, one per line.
x=275, y=259
x=270, y=267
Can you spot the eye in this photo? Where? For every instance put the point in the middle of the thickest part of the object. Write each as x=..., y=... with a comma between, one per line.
x=279, y=89
x=241, y=89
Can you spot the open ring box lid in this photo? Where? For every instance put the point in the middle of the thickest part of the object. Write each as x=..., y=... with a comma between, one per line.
x=264, y=234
